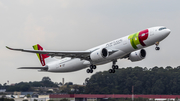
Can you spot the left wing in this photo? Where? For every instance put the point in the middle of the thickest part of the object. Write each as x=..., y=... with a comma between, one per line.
x=72, y=54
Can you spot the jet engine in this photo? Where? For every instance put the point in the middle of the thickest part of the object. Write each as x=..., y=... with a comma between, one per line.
x=99, y=54
x=137, y=55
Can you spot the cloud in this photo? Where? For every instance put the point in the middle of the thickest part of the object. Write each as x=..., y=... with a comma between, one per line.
x=63, y=3
x=71, y=3
x=3, y=6
x=32, y=31
x=26, y=2
x=47, y=19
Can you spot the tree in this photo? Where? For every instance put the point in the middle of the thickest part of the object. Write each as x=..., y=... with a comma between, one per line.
x=28, y=95
x=6, y=99
x=157, y=80
x=4, y=84
x=154, y=68
x=169, y=68
x=35, y=100
x=68, y=83
x=25, y=86
x=158, y=87
x=60, y=84
x=86, y=80
x=46, y=82
x=46, y=79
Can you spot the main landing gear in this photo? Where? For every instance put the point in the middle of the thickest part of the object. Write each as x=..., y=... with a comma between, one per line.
x=91, y=69
x=157, y=48
x=114, y=67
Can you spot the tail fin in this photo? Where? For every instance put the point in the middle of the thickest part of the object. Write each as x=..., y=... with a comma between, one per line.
x=44, y=58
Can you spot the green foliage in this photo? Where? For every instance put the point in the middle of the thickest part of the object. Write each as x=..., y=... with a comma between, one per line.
x=6, y=99
x=50, y=100
x=49, y=92
x=28, y=95
x=35, y=100
x=26, y=86
x=22, y=86
x=46, y=79
x=46, y=82
x=156, y=80
x=69, y=83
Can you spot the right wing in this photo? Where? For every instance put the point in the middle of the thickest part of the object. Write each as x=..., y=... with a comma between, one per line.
x=44, y=68
x=33, y=68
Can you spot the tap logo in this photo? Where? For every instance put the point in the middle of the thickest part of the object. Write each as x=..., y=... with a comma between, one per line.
x=138, y=38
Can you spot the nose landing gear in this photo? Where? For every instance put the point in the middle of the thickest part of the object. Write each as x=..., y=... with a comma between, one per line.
x=114, y=67
x=157, y=48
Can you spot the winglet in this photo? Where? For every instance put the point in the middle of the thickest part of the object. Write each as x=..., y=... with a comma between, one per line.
x=8, y=48
x=14, y=49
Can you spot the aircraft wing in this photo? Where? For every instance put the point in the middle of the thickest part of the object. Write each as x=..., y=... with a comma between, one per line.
x=72, y=54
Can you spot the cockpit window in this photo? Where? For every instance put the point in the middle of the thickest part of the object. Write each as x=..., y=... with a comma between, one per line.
x=162, y=28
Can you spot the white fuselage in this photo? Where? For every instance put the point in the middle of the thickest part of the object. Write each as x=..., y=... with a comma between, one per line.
x=123, y=45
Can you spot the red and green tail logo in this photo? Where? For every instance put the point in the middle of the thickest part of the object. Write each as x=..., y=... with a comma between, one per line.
x=40, y=56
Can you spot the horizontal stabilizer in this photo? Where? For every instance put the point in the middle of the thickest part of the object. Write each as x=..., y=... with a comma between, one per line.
x=45, y=68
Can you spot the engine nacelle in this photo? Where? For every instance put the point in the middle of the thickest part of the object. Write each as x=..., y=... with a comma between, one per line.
x=137, y=55
x=99, y=54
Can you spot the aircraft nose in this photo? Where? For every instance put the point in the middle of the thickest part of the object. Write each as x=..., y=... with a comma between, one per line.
x=168, y=31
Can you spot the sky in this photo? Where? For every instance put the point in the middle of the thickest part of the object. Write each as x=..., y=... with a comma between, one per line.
x=78, y=25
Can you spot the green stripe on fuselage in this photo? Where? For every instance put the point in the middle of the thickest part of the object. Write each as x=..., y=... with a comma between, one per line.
x=134, y=40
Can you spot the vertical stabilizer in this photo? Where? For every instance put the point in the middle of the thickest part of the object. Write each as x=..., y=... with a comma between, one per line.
x=44, y=58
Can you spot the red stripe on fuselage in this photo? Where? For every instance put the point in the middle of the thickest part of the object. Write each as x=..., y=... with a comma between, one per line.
x=143, y=35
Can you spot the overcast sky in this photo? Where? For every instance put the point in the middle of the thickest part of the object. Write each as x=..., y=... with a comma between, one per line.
x=79, y=25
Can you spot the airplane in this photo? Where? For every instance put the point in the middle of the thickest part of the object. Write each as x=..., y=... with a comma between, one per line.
x=130, y=47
